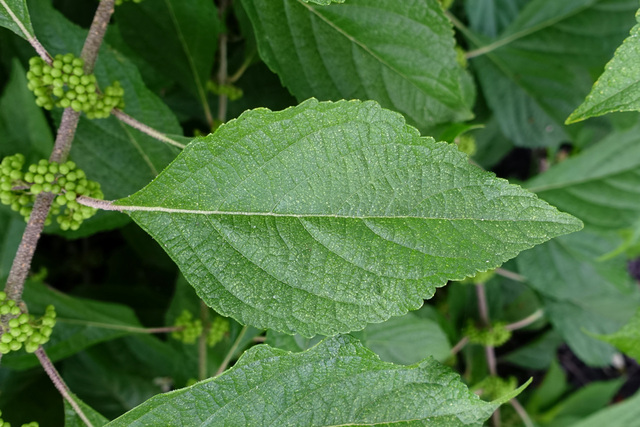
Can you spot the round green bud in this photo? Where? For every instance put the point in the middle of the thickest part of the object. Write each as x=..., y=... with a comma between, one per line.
x=5, y=348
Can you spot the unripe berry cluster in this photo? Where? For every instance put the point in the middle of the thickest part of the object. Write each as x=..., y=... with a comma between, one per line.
x=497, y=335
x=64, y=84
x=230, y=91
x=22, y=329
x=191, y=329
x=7, y=424
x=494, y=387
x=218, y=328
x=19, y=189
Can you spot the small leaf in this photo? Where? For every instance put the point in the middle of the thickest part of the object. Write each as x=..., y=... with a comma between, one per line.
x=627, y=339
x=398, y=53
x=337, y=382
x=618, y=88
x=14, y=15
x=326, y=216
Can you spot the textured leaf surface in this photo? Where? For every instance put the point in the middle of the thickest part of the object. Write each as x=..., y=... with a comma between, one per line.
x=399, y=53
x=180, y=40
x=601, y=185
x=14, y=15
x=81, y=324
x=618, y=88
x=580, y=293
x=627, y=339
x=540, y=66
x=338, y=382
x=326, y=216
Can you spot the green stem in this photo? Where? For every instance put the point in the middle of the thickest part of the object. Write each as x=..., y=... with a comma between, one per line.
x=231, y=351
x=202, y=342
x=223, y=66
x=132, y=329
x=125, y=118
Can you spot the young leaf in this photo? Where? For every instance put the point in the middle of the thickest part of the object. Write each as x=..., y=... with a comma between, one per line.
x=14, y=15
x=618, y=88
x=337, y=382
x=398, y=53
x=627, y=339
x=326, y=216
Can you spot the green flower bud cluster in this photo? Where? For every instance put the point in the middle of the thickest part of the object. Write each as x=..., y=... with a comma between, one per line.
x=19, y=189
x=219, y=327
x=467, y=144
x=497, y=335
x=494, y=387
x=7, y=424
x=22, y=329
x=119, y=2
x=64, y=84
x=230, y=91
x=191, y=329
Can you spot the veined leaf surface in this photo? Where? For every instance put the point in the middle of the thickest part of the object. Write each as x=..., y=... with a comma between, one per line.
x=337, y=382
x=14, y=15
x=398, y=53
x=327, y=216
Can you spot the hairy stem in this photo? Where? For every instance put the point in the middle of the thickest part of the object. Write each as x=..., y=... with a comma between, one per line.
x=526, y=321
x=202, y=342
x=510, y=275
x=490, y=352
x=131, y=329
x=59, y=383
x=125, y=118
x=232, y=351
x=223, y=66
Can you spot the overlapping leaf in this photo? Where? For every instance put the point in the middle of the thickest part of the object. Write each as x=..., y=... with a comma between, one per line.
x=540, y=67
x=618, y=88
x=601, y=186
x=326, y=216
x=398, y=53
x=581, y=293
x=14, y=15
x=180, y=41
x=338, y=382
x=627, y=339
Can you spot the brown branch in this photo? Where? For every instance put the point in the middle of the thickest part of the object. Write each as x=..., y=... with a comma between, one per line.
x=59, y=383
x=223, y=67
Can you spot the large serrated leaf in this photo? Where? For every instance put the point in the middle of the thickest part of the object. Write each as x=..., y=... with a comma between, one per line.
x=326, y=216
x=337, y=382
x=618, y=88
x=400, y=54
x=14, y=15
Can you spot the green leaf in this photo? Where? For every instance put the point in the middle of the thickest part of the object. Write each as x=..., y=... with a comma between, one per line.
x=406, y=339
x=621, y=415
x=337, y=382
x=398, y=53
x=580, y=293
x=71, y=418
x=326, y=216
x=618, y=88
x=541, y=66
x=14, y=15
x=180, y=40
x=323, y=2
x=627, y=339
x=601, y=185
x=10, y=236
x=81, y=323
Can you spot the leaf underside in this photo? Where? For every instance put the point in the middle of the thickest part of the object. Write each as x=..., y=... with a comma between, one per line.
x=327, y=216
x=337, y=382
